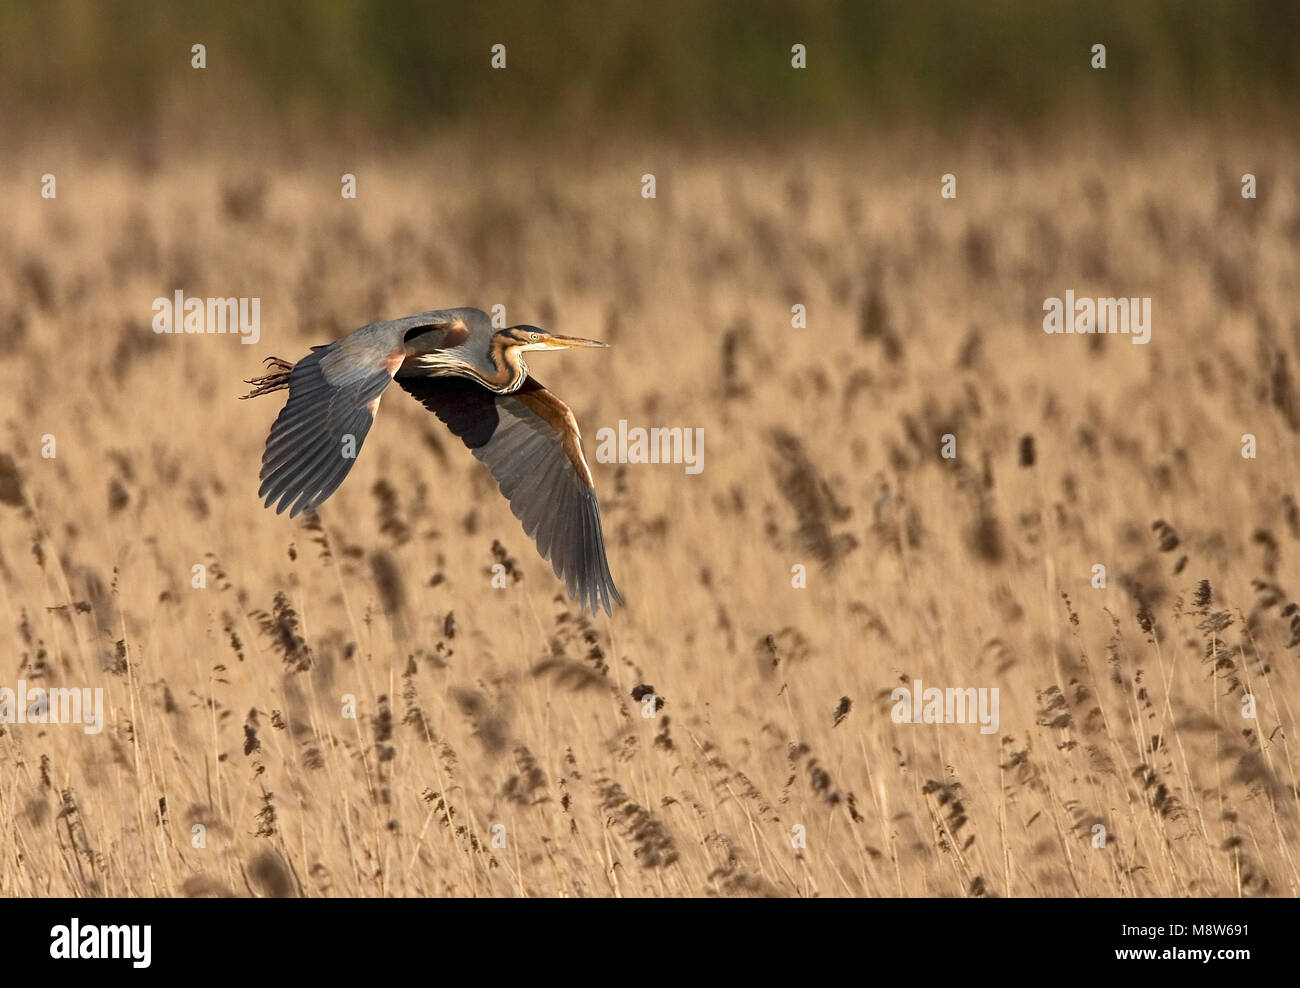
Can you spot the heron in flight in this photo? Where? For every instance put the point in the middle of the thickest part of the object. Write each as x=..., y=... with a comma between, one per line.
x=474, y=378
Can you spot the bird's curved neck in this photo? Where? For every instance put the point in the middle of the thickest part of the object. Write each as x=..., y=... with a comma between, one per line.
x=509, y=367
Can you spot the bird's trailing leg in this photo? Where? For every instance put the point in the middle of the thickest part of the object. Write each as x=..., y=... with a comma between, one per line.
x=274, y=381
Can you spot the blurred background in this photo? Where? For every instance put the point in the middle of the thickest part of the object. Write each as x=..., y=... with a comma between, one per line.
x=702, y=70
x=799, y=289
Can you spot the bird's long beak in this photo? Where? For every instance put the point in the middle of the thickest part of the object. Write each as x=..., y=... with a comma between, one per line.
x=554, y=341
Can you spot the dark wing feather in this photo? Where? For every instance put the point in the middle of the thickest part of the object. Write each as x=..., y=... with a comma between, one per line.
x=530, y=442
x=332, y=395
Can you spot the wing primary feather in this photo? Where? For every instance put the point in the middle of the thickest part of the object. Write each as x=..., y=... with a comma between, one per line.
x=525, y=440
x=295, y=460
x=295, y=478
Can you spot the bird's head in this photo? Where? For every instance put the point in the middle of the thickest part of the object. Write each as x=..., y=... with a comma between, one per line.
x=535, y=338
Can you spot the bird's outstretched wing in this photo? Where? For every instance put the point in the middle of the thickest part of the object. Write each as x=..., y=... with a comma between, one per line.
x=333, y=396
x=529, y=440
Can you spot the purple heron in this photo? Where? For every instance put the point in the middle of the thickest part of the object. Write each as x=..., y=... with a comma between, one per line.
x=474, y=378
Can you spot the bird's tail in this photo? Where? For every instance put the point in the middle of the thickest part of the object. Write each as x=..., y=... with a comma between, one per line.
x=274, y=381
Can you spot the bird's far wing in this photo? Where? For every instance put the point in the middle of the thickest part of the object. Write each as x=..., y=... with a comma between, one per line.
x=530, y=442
x=333, y=396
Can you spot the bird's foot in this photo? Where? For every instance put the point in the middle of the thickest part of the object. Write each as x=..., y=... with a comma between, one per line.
x=270, y=382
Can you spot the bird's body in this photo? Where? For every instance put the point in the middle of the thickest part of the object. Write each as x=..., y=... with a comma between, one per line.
x=475, y=379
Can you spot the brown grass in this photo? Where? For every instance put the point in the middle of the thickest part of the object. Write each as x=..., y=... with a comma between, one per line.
x=499, y=745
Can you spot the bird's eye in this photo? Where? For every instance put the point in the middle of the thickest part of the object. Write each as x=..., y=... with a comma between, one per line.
x=533, y=337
